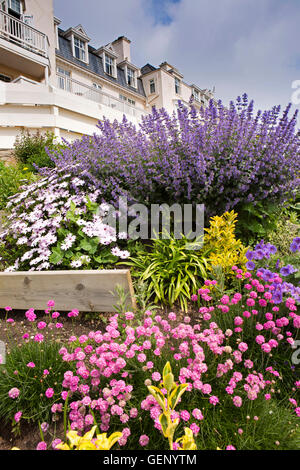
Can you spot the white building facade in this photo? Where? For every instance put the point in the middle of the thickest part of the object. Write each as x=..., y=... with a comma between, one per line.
x=54, y=80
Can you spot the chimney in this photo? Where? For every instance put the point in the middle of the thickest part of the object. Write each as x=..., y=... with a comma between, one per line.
x=122, y=48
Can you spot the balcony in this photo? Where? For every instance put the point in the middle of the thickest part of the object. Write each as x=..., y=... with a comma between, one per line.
x=94, y=94
x=23, y=35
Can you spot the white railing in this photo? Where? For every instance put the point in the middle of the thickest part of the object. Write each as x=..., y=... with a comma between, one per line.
x=22, y=34
x=94, y=94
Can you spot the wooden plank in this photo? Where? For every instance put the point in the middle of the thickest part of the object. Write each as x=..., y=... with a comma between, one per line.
x=86, y=291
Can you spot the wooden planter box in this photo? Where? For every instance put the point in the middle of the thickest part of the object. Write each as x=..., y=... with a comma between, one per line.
x=86, y=291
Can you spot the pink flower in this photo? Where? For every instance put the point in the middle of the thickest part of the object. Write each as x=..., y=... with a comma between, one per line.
x=206, y=389
x=197, y=414
x=18, y=416
x=49, y=392
x=144, y=440
x=195, y=428
x=55, y=443
x=14, y=393
x=41, y=446
x=41, y=325
x=30, y=315
x=142, y=357
x=156, y=376
x=39, y=338
x=51, y=303
x=230, y=447
x=214, y=400
x=31, y=365
x=237, y=401
x=129, y=315
x=243, y=347
x=185, y=415
x=133, y=413
x=266, y=347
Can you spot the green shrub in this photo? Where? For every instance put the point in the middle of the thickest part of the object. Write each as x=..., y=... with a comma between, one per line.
x=172, y=270
x=31, y=149
x=256, y=222
x=32, y=382
x=11, y=180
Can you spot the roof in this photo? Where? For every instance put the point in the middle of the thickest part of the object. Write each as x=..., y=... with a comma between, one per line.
x=95, y=64
x=147, y=68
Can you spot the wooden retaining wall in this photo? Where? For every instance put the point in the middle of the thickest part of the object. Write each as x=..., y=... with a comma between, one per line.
x=86, y=291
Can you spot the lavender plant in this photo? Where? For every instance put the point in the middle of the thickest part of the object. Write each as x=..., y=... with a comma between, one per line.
x=223, y=157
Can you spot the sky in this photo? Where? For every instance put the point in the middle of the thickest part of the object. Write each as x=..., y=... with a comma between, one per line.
x=236, y=46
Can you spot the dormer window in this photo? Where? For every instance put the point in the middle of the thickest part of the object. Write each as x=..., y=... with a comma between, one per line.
x=131, y=79
x=109, y=65
x=79, y=49
x=177, y=86
x=79, y=41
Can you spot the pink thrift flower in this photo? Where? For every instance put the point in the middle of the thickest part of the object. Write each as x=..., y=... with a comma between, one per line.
x=18, y=416
x=49, y=392
x=214, y=400
x=41, y=446
x=144, y=440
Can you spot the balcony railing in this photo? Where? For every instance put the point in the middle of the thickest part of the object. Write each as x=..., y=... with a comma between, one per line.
x=94, y=94
x=21, y=34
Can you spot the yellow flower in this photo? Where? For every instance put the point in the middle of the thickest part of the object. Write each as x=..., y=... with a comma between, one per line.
x=88, y=442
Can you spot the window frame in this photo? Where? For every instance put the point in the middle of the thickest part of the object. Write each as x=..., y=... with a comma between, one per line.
x=64, y=77
x=196, y=95
x=152, y=83
x=82, y=50
x=17, y=12
x=110, y=62
x=177, y=86
x=131, y=77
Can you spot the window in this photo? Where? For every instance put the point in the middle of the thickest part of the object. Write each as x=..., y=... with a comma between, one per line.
x=109, y=65
x=177, y=86
x=79, y=49
x=4, y=78
x=196, y=95
x=97, y=86
x=152, y=86
x=64, y=79
x=128, y=100
x=15, y=6
x=130, y=77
